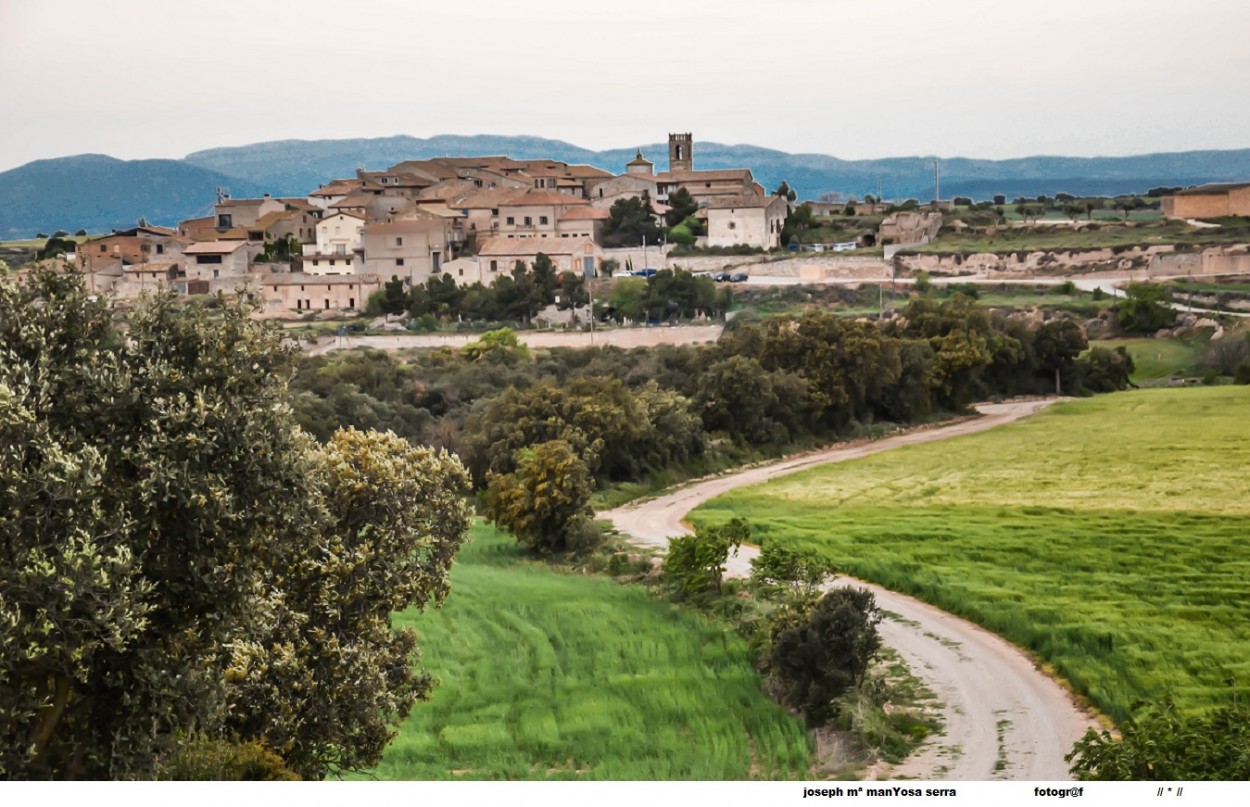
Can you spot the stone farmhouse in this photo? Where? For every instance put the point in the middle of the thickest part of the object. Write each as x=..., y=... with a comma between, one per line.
x=1209, y=201
x=471, y=218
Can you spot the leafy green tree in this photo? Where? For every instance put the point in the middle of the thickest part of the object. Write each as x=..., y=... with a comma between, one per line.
x=331, y=665
x=1057, y=344
x=161, y=514
x=629, y=221
x=392, y=299
x=792, y=574
x=821, y=650
x=1163, y=745
x=545, y=502
x=573, y=291
x=545, y=278
x=784, y=190
x=628, y=298
x=1145, y=308
x=1103, y=370
x=695, y=564
x=681, y=206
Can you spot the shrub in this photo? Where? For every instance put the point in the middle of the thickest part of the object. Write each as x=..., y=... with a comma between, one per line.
x=819, y=651
x=695, y=564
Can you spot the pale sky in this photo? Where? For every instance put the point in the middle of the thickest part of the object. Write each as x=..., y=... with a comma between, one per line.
x=969, y=78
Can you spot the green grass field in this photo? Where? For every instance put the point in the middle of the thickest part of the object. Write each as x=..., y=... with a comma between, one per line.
x=1157, y=360
x=559, y=676
x=1107, y=535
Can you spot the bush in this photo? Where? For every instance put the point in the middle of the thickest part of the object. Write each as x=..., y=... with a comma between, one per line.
x=820, y=651
x=545, y=502
x=695, y=564
x=1163, y=745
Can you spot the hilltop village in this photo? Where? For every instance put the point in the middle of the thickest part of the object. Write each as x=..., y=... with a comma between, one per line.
x=471, y=218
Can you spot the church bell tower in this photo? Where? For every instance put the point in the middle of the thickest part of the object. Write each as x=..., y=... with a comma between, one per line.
x=680, y=152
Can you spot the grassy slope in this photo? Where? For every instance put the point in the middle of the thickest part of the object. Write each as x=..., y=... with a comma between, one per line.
x=1158, y=359
x=552, y=676
x=1108, y=535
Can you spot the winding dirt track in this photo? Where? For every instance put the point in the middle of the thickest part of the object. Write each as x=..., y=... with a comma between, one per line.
x=1003, y=718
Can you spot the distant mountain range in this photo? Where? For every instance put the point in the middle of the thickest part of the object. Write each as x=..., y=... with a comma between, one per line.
x=98, y=193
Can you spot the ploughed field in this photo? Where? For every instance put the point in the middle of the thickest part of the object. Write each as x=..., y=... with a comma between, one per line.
x=547, y=675
x=1110, y=536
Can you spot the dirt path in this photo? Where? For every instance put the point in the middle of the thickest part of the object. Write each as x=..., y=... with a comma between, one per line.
x=1003, y=719
x=620, y=337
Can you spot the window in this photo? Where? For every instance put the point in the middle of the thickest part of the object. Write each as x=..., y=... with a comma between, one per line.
x=216, y=273
x=225, y=220
x=399, y=242
x=104, y=248
x=145, y=248
x=436, y=257
x=316, y=263
x=494, y=266
x=399, y=261
x=462, y=271
x=208, y=259
x=494, y=211
x=542, y=219
x=160, y=249
x=733, y=225
x=529, y=221
x=327, y=305
x=351, y=302
x=510, y=220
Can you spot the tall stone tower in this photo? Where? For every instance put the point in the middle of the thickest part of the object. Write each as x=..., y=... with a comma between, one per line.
x=680, y=152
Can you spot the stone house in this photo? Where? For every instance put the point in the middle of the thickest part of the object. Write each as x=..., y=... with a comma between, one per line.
x=133, y=247
x=413, y=247
x=1208, y=201
x=534, y=214
x=338, y=248
x=212, y=260
x=500, y=254
x=299, y=292
x=754, y=221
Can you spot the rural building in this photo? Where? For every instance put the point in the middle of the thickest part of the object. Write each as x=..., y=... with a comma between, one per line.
x=909, y=227
x=498, y=255
x=1209, y=201
x=300, y=292
x=413, y=247
x=132, y=247
x=754, y=221
x=212, y=260
x=338, y=247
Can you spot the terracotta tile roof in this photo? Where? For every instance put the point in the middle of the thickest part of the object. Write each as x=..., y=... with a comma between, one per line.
x=213, y=247
x=744, y=201
x=1214, y=188
x=499, y=246
x=544, y=197
x=301, y=278
x=418, y=221
x=341, y=213
x=493, y=198
x=585, y=213
x=743, y=174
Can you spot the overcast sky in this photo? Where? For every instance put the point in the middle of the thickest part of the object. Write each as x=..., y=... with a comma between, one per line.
x=870, y=78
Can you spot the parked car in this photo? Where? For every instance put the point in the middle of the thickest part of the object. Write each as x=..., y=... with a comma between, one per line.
x=645, y=273
x=738, y=277
x=721, y=277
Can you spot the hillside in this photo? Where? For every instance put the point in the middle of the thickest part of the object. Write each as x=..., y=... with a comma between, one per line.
x=98, y=193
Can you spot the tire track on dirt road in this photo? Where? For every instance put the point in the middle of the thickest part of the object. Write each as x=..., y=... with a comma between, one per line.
x=1002, y=717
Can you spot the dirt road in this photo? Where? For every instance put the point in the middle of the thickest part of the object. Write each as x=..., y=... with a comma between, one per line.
x=620, y=337
x=1003, y=719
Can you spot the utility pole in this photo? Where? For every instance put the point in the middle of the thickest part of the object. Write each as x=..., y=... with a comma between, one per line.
x=937, y=193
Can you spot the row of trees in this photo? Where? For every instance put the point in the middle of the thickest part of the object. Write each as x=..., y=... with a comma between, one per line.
x=190, y=586
x=516, y=298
